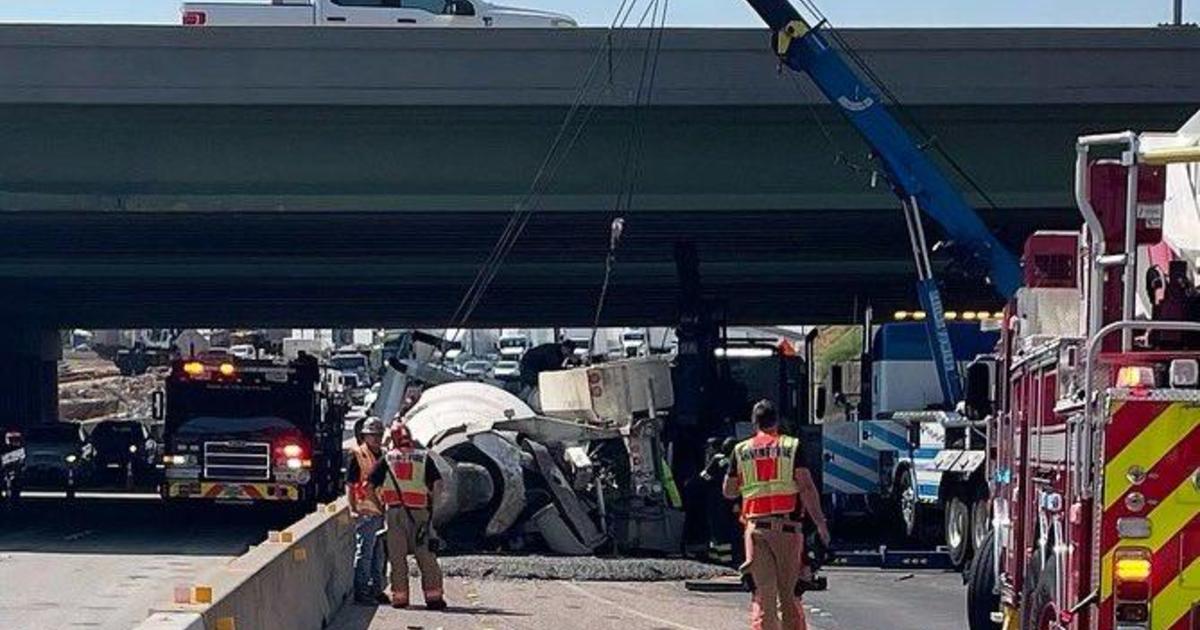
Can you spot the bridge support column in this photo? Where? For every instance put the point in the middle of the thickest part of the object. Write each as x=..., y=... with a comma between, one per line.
x=28, y=375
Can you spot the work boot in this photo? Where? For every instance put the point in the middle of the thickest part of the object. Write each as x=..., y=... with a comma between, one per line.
x=398, y=602
x=436, y=604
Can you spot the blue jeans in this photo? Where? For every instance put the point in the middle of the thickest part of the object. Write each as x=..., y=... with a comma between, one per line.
x=368, y=555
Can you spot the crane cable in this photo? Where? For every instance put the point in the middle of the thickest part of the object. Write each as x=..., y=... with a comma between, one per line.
x=564, y=141
x=631, y=168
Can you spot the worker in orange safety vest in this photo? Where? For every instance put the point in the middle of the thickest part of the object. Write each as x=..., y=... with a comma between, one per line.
x=407, y=480
x=777, y=493
x=367, y=510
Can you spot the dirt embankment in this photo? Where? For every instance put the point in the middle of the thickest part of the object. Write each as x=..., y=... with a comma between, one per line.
x=90, y=388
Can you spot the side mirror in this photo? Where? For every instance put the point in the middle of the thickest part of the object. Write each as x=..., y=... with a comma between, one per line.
x=819, y=407
x=835, y=380
x=157, y=406
x=979, y=392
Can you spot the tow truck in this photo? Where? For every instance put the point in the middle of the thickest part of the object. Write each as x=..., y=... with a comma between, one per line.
x=890, y=454
x=917, y=182
x=1095, y=459
x=250, y=431
x=371, y=13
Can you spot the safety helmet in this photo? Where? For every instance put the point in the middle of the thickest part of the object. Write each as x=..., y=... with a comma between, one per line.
x=401, y=436
x=372, y=426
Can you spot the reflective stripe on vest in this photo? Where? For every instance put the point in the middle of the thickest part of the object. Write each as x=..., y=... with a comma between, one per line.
x=405, y=483
x=361, y=487
x=766, y=464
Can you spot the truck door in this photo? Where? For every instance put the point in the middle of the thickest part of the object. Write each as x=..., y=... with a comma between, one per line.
x=399, y=13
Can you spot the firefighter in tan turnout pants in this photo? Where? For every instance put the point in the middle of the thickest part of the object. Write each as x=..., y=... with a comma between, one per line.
x=777, y=493
x=406, y=481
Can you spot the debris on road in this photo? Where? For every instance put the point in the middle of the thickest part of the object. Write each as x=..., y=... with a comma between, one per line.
x=586, y=569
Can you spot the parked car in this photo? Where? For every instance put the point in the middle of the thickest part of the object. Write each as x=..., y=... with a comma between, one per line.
x=243, y=351
x=57, y=457
x=123, y=451
x=476, y=369
x=507, y=370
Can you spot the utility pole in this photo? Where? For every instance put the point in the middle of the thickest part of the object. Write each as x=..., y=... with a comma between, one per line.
x=1178, y=13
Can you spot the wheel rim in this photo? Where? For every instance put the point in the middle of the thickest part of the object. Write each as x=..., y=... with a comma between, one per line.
x=956, y=530
x=980, y=523
x=908, y=507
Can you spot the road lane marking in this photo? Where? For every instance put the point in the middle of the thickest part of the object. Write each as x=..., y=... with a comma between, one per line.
x=637, y=613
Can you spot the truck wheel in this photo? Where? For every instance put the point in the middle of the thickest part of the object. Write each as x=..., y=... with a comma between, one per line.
x=982, y=599
x=907, y=504
x=958, y=532
x=981, y=521
x=1042, y=614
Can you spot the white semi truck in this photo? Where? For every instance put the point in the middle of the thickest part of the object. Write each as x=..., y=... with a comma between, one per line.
x=371, y=13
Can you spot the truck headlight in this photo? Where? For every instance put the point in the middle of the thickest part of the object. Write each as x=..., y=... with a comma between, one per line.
x=71, y=459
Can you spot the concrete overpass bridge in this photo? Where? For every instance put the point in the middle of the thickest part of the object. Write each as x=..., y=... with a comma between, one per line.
x=159, y=175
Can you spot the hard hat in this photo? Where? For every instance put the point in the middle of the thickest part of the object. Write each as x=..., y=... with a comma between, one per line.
x=400, y=434
x=372, y=426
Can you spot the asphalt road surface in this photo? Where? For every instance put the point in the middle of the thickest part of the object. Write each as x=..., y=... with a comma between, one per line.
x=102, y=563
x=858, y=599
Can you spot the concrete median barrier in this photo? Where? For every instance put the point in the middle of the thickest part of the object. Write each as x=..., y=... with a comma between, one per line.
x=297, y=580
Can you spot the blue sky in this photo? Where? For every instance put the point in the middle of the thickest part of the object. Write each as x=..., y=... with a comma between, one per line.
x=699, y=12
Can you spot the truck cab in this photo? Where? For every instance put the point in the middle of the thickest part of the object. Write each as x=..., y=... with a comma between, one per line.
x=371, y=14
x=250, y=431
x=513, y=347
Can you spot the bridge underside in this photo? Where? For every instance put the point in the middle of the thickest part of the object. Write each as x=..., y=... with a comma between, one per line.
x=169, y=176
x=401, y=268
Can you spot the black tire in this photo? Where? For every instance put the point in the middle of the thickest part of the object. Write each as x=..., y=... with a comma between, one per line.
x=1037, y=607
x=981, y=521
x=907, y=506
x=957, y=532
x=982, y=599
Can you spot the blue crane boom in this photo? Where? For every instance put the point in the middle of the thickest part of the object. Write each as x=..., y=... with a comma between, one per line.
x=914, y=177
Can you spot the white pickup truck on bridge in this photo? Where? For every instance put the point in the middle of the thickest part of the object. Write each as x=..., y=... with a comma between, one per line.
x=371, y=13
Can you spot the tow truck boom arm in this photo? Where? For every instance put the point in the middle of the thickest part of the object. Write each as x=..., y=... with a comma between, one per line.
x=913, y=176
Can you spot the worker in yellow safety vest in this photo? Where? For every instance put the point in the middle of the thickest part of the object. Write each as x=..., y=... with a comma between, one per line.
x=367, y=511
x=407, y=480
x=777, y=494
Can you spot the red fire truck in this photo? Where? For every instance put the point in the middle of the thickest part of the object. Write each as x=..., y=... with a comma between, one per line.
x=1094, y=461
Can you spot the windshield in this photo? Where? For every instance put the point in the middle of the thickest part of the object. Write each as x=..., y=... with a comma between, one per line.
x=117, y=433
x=266, y=426
x=634, y=336
x=239, y=407
x=348, y=362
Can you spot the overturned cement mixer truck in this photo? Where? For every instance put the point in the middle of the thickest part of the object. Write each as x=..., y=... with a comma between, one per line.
x=577, y=468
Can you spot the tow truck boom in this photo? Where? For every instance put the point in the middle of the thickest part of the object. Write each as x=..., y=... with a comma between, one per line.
x=915, y=179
